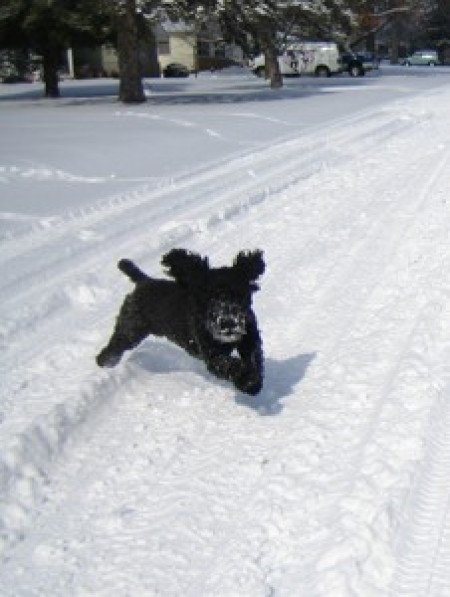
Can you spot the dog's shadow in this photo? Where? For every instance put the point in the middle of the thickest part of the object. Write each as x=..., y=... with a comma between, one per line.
x=161, y=357
x=279, y=380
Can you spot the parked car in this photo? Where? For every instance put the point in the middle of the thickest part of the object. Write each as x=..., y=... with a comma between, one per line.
x=175, y=69
x=369, y=60
x=357, y=65
x=10, y=74
x=26, y=72
x=422, y=58
x=13, y=76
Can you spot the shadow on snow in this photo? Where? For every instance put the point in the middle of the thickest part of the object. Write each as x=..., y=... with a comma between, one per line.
x=280, y=377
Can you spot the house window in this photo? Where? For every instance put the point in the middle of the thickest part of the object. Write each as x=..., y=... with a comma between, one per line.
x=219, y=49
x=203, y=48
x=163, y=47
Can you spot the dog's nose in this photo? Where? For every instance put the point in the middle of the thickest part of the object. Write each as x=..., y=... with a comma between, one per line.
x=232, y=321
x=228, y=323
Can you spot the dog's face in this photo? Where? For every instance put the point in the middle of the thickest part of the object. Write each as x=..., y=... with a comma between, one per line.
x=225, y=320
x=223, y=295
x=227, y=302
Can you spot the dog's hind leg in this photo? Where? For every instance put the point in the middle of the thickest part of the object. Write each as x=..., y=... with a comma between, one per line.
x=129, y=331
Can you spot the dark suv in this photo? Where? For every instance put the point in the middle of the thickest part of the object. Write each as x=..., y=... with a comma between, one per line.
x=356, y=65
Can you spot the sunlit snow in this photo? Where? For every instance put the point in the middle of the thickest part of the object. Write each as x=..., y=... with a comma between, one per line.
x=155, y=478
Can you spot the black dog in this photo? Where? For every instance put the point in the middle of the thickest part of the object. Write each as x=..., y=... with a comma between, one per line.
x=207, y=311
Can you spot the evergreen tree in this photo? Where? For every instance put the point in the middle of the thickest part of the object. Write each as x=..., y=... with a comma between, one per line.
x=48, y=27
x=438, y=26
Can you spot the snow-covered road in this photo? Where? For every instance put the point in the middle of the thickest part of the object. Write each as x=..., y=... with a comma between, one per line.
x=155, y=478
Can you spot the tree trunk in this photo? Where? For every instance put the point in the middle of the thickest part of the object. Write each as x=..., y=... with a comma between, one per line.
x=273, y=67
x=395, y=40
x=50, y=62
x=271, y=58
x=131, y=89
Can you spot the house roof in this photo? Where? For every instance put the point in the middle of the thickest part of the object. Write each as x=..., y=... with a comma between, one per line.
x=176, y=27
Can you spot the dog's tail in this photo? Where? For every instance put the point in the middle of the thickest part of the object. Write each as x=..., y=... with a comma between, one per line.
x=132, y=271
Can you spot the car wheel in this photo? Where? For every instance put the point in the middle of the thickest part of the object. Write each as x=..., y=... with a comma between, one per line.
x=260, y=72
x=322, y=71
x=356, y=70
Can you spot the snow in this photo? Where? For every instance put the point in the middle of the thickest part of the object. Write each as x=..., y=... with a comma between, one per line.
x=154, y=478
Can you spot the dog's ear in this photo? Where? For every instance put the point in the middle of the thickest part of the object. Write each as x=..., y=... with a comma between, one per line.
x=250, y=264
x=184, y=266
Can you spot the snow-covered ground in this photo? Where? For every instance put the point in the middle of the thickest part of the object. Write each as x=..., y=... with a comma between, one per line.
x=154, y=478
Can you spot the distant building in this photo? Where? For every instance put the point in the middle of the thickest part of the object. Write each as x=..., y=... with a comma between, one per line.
x=103, y=62
x=201, y=49
x=198, y=49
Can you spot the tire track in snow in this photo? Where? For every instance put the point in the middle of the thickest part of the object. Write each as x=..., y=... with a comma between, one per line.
x=423, y=545
x=167, y=470
x=26, y=465
x=281, y=165
x=399, y=367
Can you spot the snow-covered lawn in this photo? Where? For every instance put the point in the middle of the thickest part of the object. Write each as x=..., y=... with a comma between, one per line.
x=154, y=478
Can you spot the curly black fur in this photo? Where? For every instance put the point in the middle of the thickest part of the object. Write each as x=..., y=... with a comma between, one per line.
x=206, y=311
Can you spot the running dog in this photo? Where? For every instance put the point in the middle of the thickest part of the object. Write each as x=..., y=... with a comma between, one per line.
x=206, y=311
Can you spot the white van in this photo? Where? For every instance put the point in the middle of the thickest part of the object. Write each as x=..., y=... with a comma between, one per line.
x=319, y=58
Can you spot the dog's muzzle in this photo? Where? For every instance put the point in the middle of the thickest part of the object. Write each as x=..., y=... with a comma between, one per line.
x=225, y=321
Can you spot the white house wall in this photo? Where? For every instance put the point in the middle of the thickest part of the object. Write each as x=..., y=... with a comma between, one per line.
x=182, y=48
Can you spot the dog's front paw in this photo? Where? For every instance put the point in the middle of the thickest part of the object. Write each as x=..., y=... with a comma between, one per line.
x=249, y=378
x=224, y=366
x=249, y=384
x=246, y=379
x=107, y=359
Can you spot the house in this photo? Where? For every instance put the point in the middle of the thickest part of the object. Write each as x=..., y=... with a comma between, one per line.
x=198, y=48
x=102, y=61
